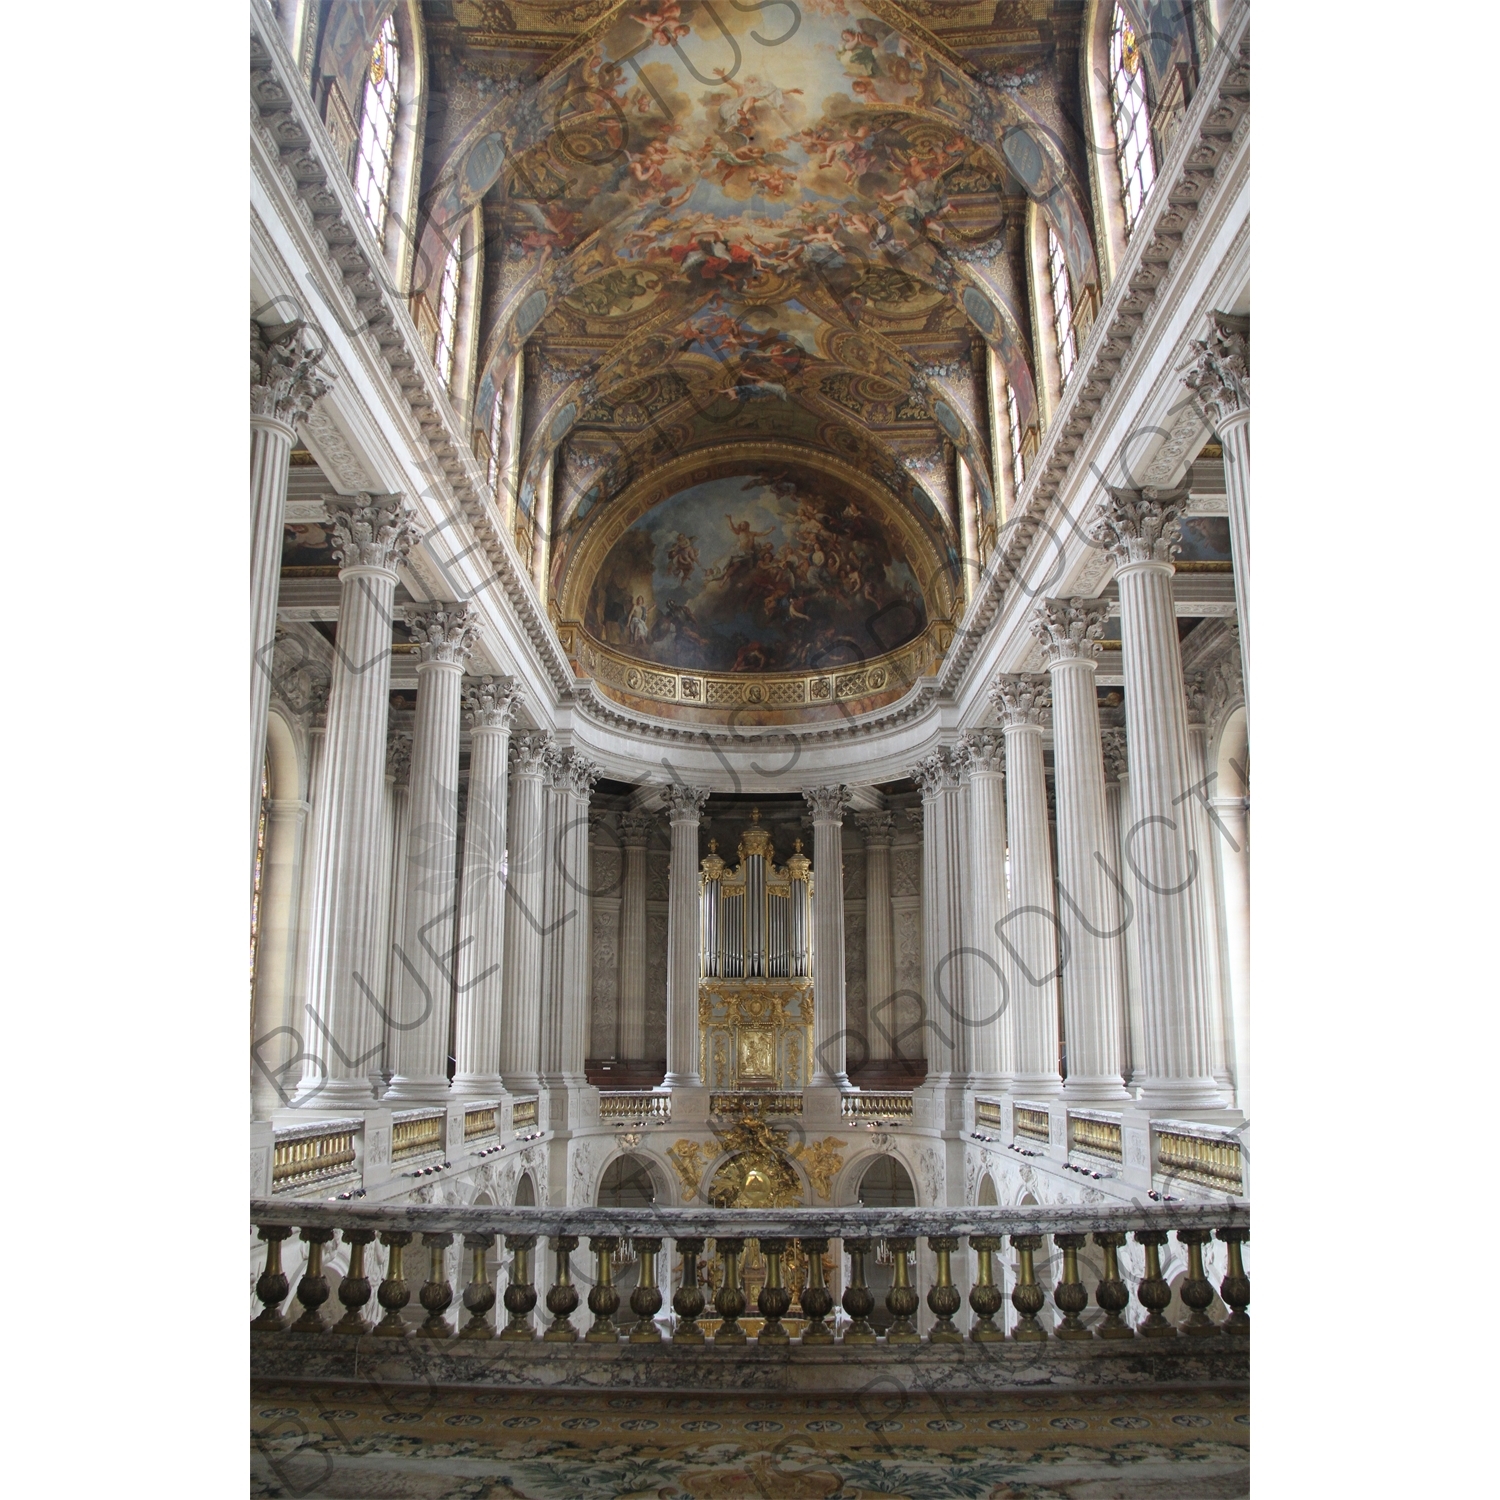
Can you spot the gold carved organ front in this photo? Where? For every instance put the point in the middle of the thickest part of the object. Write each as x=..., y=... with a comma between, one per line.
x=755, y=998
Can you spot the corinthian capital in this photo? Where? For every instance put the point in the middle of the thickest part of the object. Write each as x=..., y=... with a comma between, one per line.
x=398, y=755
x=877, y=827
x=580, y=774
x=372, y=531
x=1022, y=698
x=443, y=632
x=1219, y=373
x=1069, y=628
x=1140, y=525
x=635, y=829
x=686, y=802
x=1116, y=761
x=491, y=703
x=827, y=804
x=282, y=383
x=938, y=772
x=984, y=751
x=529, y=751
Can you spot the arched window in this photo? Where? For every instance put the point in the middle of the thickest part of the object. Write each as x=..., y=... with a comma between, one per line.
x=1062, y=306
x=1127, y=90
x=497, y=412
x=1017, y=463
x=447, y=317
x=377, y=130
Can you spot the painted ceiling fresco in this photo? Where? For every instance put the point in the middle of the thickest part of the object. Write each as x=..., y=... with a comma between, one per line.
x=757, y=573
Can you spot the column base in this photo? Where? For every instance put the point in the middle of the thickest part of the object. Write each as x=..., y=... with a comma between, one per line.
x=1106, y=1088
x=337, y=1094
x=1161, y=1094
x=681, y=1081
x=1037, y=1085
x=477, y=1086
x=523, y=1085
x=417, y=1091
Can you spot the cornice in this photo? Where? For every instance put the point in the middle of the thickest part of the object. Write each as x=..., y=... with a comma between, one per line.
x=294, y=158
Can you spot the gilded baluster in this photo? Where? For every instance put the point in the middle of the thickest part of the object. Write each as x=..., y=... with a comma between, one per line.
x=479, y=1295
x=688, y=1302
x=1153, y=1293
x=815, y=1300
x=645, y=1300
x=1111, y=1293
x=943, y=1298
x=1235, y=1287
x=1070, y=1295
x=729, y=1301
x=985, y=1298
x=437, y=1291
x=354, y=1289
x=271, y=1285
x=562, y=1297
x=520, y=1294
x=394, y=1293
x=312, y=1290
x=901, y=1301
x=774, y=1299
x=1027, y=1296
x=1196, y=1290
x=604, y=1300
x=859, y=1300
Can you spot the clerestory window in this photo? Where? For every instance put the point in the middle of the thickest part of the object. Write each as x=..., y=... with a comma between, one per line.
x=447, y=317
x=375, y=159
x=1127, y=86
x=1062, y=306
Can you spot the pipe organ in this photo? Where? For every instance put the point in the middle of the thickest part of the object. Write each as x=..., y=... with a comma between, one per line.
x=755, y=997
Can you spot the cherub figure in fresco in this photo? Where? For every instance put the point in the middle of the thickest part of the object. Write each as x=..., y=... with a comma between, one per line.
x=751, y=657
x=636, y=627
x=857, y=49
x=682, y=556
x=664, y=22
x=748, y=537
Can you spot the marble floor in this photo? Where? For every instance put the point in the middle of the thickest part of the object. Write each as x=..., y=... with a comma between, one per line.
x=363, y=1442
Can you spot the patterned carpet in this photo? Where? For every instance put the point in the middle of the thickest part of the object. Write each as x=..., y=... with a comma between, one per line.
x=344, y=1442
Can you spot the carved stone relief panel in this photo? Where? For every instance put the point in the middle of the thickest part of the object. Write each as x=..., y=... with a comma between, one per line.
x=854, y=874
x=856, y=1005
x=905, y=1018
x=906, y=870
x=605, y=995
x=656, y=985
x=658, y=874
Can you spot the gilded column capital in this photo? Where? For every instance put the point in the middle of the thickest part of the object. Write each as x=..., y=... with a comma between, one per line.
x=1218, y=374
x=827, y=804
x=283, y=385
x=372, y=531
x=443, y=633
x=491, y=702
x=1022, y=698
x=1070, y=629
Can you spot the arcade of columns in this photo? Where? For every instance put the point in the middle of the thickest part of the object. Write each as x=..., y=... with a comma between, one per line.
x=1113, y=950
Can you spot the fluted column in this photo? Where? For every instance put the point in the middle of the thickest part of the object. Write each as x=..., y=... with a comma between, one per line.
x=992, y=1060
x=1029, y=929
x=1219, y=378
x=521, y=1010
x=880, y=941
x=489, y=705
x=635, y=833
x=1233, y=813
x=827, y=805
x=944, y=959
x=372, y=533
x=1088, y=907
x=283, y=387
x=1117, y=803
x=683, y=947
x=1141, y=530
x=393, y=861
x=565, y=1029
x=444, y=634
x=1200, y=702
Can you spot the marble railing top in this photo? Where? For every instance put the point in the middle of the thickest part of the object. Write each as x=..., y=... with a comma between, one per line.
x=781, y=1223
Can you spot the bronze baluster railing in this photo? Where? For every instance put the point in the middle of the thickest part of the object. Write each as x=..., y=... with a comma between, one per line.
x=985, y=1297
x=1196, y=1291
x=520, y=1294
x=729, y=1301
x=604, y=1300
x=901, y=1301
x=562, y=1297
x=1235, y=1287
x=1153, y=1293
x=312, y=1290
x=645, y=1300
x=272, y=1285
x=774, y=1299
x=479, y=1295
x=354, y=1289
x=394, y=1293
x=943, y=1298
x=437, y=1291
x=688, y=1302
x=1111, y=1293
x=858, y=1299
x=815, y=1300
x=1027, y=1297
x=1070, y=1295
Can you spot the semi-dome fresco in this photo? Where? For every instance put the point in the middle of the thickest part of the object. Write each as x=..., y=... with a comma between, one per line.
x=761, y=572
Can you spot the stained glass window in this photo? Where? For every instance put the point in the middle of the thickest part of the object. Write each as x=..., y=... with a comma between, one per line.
x=1062, y=306
x=1127, y=88
x=377, y=130
x=1017, y=463
x=447, y=334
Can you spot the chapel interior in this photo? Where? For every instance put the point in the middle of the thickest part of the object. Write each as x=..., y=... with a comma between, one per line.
x=749, y=773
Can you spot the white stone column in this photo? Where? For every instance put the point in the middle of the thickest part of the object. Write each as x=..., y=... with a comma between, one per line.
x=521, y=1007
x=489, y=705
x=565, y=1031
x=281, y=878
x=1117, y=799
x=283, y=388
x=944, y=896
x=372, y=533
x=683, y=945
x=992, y=1060
x=1141, y=531
x=1206, y=893
x=635, y=835
x=1029, y=929
x=1219, y=378
x=827, y=805
x=880, y=945
x=1088, y=907
x=393, y=856
x=444, y=634
x=1233, y=847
